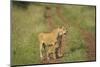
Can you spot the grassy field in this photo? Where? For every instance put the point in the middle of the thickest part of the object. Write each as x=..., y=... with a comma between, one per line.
x=28, y=21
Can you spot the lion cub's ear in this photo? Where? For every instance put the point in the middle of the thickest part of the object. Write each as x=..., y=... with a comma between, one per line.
x=60, y=27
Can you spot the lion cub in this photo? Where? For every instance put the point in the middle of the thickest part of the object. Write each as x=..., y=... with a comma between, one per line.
x=48, y=41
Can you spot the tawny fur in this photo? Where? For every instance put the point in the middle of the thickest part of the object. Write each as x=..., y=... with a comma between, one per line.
x=49, y=40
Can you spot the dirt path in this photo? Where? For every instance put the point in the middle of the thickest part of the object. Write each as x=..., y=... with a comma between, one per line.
x=90, y=44
x=87, y=36
x=48, y=17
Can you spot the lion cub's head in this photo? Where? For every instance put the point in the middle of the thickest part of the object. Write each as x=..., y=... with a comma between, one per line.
x=62, y=30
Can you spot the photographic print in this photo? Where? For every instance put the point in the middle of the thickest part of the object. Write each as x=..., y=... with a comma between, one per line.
x=51, y=33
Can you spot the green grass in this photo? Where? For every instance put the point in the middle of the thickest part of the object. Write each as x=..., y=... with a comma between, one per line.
x=82, y=15
x=29, y=22
x=26, y=25
x=75, y=48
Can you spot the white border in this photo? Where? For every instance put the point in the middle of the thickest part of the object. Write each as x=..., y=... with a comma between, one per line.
x=93, y=2
x=5, y=32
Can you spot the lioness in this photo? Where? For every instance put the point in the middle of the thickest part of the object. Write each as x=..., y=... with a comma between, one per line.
x=48, y=41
